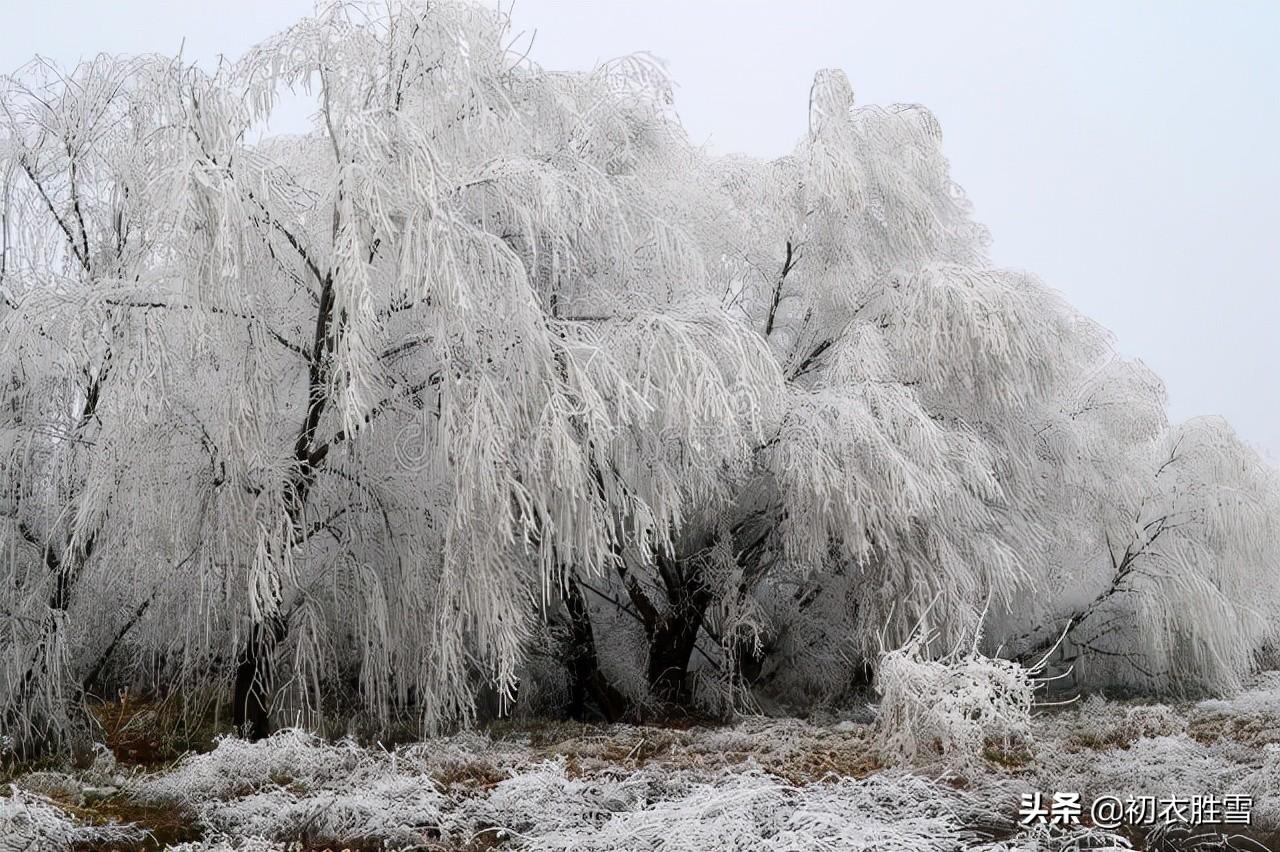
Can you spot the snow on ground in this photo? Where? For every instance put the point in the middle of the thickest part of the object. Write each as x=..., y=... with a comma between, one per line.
x=759, y=784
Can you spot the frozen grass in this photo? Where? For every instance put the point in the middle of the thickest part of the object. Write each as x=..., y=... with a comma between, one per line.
x=1101, y=724
x=227, y=844
x=754, y=810
x=759, y=784
x=1045, y=838
x=1263, y=784
x=236, y=767
x=296, y=787
x=31, y=821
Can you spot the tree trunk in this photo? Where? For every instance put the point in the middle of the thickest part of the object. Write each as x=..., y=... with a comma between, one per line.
x=673, y=636
x=670, y=649
x=251, y=700
x=588, y=682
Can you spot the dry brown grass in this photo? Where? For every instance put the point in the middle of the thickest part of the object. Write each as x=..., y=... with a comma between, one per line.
x=1009, y=756
x=469, y=777
x=1256, y=730
x=799, y=754
x=821, y=764
x=148, y=732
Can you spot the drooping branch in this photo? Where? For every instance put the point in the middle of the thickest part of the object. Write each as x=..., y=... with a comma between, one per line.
x=214, y=309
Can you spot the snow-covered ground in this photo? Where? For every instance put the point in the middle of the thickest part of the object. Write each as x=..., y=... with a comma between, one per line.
x=758, y=784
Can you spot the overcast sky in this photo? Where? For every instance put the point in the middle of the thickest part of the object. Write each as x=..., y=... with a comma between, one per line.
x=1125, y=152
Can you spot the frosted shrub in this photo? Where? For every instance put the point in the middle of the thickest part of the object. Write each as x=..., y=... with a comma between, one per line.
x=949, y=707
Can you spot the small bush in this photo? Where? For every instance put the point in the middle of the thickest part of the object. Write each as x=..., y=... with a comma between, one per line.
x=950, y=708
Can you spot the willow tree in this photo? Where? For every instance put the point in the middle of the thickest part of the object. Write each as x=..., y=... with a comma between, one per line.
x=338, y=423
x=465, y=252
x=950, y=443
x=1169, y=583
x=95, y=423
x=908, y=365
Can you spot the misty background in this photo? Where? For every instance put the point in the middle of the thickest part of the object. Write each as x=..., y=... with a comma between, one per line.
x=1123, y=152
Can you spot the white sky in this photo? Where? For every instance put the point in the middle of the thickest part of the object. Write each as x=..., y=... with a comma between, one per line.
x=1125, y=152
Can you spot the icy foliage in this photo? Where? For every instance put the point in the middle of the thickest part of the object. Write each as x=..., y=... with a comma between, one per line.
x=30, y=821
x=1046, y=838
x=755, y=811
x=236, y=766
x=401, y=809
x=1100, y=723
x=950, y=707
x=543, y=802
x=295, y=784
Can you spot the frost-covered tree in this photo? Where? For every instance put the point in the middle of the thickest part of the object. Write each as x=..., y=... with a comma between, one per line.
x=1179, y=588
x=91, y=436
x=911, y=367
x=492, y=384
x=443, y=354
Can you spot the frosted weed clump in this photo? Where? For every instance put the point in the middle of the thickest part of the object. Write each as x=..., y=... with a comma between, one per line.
x=403, y=810
x=747, y=810
x=224, y=844
x=30, y=821
x=1097, y=723
x=237, y=766
x=1053, y=838
x=296, y=785
x=542, y=801
x=1154, y=720
x=950, y=707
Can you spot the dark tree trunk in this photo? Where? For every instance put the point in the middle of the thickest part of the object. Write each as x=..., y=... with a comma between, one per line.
x=251, y=700
x=588, y=682
x=670, y=649
x=675, y=632
x=253, y=691
x=750, y=661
